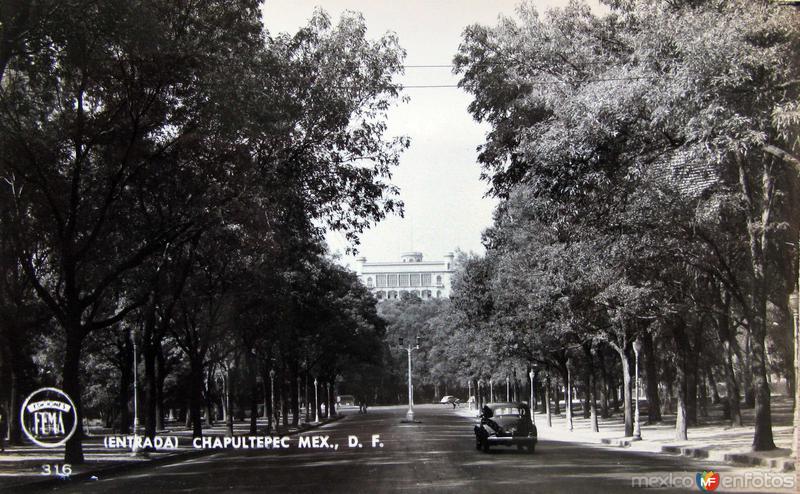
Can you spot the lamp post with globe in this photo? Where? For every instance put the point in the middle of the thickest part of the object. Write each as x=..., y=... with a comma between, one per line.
x=316, y=401
x=637, y=429
x=532, y=405
x=410, y=348
x=271, y=398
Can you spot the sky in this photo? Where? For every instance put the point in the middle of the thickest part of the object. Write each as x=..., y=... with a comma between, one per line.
x=445, y=203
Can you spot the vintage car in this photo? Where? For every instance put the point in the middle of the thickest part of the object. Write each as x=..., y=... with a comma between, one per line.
x=505, y=424
x=450, y=400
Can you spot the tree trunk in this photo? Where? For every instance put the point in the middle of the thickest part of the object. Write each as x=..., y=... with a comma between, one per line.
x=252, y=368
x=196, y=397
x=285, y=388
x=227, y=400
x=150, y=384
x=653, y=401
x=762, y=438
x=556, y=397
x=604, y=388
x=126, y=374
x=796, y=435
x=712, y=383
x=331, y=398
x=681, y=429
x=682, y=348
x=208, y=402
x=568, y=396
x=747, y=366
x=161, y=372
x=693, y=375
x=591, y=388
x=759, y=201
x=703, y=398
x=626, y=388
x=294, y=386
x=732, y=410
x=73, y=451
x=547, y=403
x=14, y=429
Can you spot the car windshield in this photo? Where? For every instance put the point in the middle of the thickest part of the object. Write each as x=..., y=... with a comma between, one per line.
x=506, y=411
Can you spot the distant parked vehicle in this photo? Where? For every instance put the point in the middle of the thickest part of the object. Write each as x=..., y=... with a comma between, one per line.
x=346, y=400
x=505, y=424
x=450, y=400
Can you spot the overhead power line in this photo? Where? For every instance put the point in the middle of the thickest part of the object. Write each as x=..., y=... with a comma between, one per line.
x=429, y=66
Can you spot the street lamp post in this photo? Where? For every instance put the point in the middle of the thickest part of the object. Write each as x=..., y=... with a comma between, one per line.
x=409, y=349
x=469, y=392
x=271, y=398
x=531, y=405
x=568, y=396
x=794, y=301
x=508, y=389
x=547, y=399
x=637, y=429
x=135, y=449
x=491, y=391
x=226, y=377
x=328, y=404
x=480, y=393
x=316, y=400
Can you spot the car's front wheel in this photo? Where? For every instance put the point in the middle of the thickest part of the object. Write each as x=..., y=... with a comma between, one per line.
x=485, y=446
x=531, y=448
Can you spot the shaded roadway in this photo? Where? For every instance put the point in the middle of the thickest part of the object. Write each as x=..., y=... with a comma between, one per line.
x=435, y=455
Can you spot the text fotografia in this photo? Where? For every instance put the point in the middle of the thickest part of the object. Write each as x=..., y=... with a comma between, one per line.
x=236, y=442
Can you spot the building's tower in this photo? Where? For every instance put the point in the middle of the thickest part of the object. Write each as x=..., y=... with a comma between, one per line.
x=360, y=264
x=411, y=256
x=448, y=261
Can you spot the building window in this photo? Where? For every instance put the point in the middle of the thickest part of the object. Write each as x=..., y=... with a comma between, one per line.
x=426, y=279
x=404, y=280
x=426, y=294
x=439, y=280
x=380, y=280
x=415, y=292
x=369, y=282
x=391, y=280
x=414, y=279
x=391, y=295
x=380, y=294
x=438, y=293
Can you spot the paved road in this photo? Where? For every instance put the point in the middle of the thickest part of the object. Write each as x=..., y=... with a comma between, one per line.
x=435, y=455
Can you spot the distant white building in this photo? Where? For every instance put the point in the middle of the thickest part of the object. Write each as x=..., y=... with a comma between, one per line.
x=425, y=279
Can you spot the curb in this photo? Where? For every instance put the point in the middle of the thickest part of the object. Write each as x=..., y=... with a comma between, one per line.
x=780, y=464
x=700, y=453
x=169, y=459
x=620, y=443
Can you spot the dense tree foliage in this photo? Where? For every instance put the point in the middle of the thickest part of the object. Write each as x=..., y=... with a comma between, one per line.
x=647, y=170
x=163, y=161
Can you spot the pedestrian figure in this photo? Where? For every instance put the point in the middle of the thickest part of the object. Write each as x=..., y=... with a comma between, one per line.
x=3, y=429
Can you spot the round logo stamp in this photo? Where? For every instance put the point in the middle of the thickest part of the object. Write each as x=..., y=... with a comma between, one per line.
x=48, y=417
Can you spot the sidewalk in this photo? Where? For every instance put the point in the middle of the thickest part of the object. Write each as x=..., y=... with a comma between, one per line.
x=711, y=439
x=23, y=467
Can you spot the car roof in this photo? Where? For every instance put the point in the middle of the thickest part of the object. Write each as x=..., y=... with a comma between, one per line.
x=506, y=404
